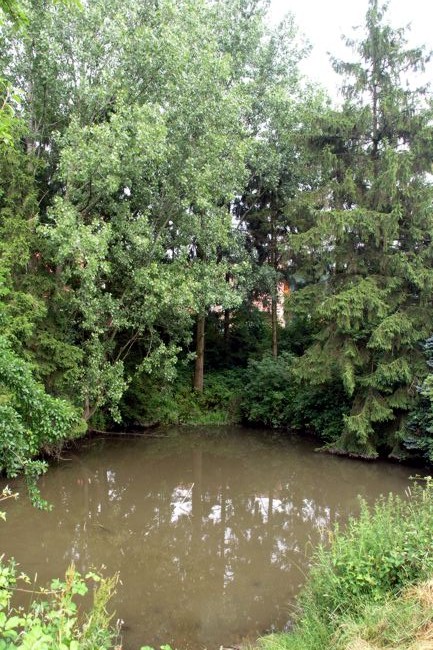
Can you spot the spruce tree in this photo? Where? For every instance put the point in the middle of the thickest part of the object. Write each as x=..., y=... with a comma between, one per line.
x=370, y=243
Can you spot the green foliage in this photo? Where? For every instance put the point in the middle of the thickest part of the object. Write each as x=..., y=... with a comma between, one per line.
x=381, y=551
x=279, y=164
x=138, y=126
x=273, y=396
x=321, y=409
x=54, y=619
x=13, y=11
x=364, y=241
x=297, y=334
x=417, y=436
x=247, y=336
x=132, y=185
x=9, y=100
x=147, y=402
x=365, y=568
x=30, y=419
x=270, y=392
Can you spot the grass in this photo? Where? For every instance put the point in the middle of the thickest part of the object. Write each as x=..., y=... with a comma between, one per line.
x=404, y=622
x=372, y=586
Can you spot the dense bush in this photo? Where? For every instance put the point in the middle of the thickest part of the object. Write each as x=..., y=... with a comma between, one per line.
x=31, y=420
x=380, y=551
x=148, y=401
x=273, y=396
x=269, y=394
x=418, y=433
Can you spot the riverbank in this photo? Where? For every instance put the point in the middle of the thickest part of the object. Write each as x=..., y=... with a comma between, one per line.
x=404, y=622
x=372, y=586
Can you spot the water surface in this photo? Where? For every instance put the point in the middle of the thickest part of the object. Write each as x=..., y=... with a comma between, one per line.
x=210, y=529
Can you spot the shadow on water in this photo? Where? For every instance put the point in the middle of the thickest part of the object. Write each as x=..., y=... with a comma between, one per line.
x=211, y=533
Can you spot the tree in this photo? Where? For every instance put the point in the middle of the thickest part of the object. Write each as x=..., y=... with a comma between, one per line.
x=136, y=143
x=281, y=109
x=370, y=243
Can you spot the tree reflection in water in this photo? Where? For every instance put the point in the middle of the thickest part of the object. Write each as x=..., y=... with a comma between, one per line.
x=211, y=534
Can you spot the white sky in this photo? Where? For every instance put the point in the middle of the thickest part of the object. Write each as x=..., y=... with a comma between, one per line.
x=324, y=21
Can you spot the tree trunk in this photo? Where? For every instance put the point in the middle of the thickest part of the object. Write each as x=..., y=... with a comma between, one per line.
x=88, y=410
x=274, y=297
x=274, y=322
x=226, y=326
x=199, y=359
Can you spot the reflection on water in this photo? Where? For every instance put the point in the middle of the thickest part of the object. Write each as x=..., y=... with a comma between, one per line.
x=211, y=533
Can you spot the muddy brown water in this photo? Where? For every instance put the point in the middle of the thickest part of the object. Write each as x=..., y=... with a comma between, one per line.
x=210, y=530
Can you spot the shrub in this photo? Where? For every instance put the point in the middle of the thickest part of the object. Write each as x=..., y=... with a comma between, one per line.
x=31, y=420
x=417, y=436
x=269, y=394
x=177, y=403
x=273, y=396
x=381, y=551
x=54, y=620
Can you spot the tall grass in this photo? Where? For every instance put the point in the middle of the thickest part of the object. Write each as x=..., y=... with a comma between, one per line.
x=372, y=561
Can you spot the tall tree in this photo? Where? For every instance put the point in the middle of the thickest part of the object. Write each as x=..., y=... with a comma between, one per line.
x=370, y=243
x=136, y=142
x=281, y=108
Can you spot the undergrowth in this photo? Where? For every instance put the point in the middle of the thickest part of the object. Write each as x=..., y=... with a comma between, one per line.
x=54, y=620
x=178, y=403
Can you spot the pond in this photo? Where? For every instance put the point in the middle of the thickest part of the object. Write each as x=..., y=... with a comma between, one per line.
x=211, y=530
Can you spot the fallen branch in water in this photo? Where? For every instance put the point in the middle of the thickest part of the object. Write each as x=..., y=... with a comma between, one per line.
x=136, y=434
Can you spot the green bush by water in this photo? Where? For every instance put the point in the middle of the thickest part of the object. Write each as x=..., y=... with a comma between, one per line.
x=54, y=621
x=178, y=403
x=378, y=555
x=273, y=396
